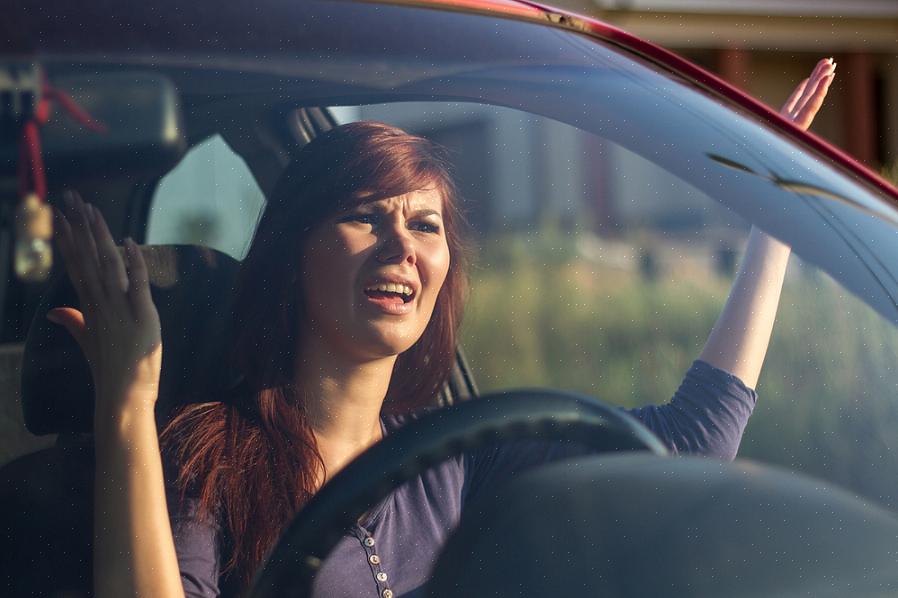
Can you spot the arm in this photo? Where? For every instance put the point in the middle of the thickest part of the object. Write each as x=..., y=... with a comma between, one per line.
x=134, y=552
x=118, y=330
x=738, y=342
x=709, y=411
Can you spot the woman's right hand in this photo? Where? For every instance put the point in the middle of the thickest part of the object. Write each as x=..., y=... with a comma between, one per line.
x=118, y=326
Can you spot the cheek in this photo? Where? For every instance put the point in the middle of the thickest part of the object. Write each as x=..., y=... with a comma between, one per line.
x=327, y=272
x=438, y=268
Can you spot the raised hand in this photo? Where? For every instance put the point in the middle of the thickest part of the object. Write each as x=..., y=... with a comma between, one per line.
x=738, y=343
x=804, y=103
x=118, y=326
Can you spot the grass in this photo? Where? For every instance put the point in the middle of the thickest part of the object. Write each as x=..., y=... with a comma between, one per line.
x=539, y=315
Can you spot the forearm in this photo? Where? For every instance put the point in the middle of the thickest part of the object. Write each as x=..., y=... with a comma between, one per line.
x=738, y=342
x=134, y=553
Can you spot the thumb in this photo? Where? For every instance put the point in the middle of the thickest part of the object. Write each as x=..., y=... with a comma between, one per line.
x=71, y=319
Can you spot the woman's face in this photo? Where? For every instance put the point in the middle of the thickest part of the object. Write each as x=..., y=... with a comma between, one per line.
x=371, y=274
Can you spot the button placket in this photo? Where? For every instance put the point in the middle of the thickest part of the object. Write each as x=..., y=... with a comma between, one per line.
x=374, y=560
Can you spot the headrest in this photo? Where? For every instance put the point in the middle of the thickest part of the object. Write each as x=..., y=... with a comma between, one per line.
x=192, y=288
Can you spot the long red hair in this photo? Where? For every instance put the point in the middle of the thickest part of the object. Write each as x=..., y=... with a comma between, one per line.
x=251, y=462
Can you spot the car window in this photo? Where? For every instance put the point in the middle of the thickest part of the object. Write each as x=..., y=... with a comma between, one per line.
x=210, y=198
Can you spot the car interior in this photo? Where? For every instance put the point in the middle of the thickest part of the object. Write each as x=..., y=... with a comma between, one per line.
x=50, y=489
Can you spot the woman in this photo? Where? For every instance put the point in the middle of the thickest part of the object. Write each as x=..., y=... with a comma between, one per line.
x=347, y=308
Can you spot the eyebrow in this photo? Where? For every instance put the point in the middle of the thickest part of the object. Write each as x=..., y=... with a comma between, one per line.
x=424, y=212
x=378, y=207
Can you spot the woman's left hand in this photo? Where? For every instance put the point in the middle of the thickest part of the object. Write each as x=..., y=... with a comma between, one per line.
x=738, y=342
x=804, y=103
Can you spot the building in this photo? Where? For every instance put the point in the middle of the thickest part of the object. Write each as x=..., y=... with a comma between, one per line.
x=765, y=46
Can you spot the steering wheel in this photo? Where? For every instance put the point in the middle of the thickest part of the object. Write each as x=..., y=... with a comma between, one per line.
x=427, y=441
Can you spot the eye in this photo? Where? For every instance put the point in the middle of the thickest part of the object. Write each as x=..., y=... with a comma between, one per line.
x=361, y=218
x=425, y=227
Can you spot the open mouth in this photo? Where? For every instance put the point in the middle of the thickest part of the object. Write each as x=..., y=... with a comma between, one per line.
x=390, y=293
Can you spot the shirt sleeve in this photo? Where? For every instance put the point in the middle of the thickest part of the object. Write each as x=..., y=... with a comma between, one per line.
x=196, y=545
x=706, y=416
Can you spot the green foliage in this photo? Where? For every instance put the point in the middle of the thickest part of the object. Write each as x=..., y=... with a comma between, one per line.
x=890, y=173
x=567, y=323
x=829, y=402
x=539, y=315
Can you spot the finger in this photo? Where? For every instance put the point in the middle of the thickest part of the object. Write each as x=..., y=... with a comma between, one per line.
x=793, y=99
x=85, y=250
x=806, y=114
x=79, y=218
x=72, y=320
x=63, y=234
x=138, y=281
x=822, y=69
x=809, y=86
x=112, y=266
x=65, y=241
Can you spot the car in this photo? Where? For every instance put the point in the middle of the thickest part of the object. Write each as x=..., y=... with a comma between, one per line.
x=610, y=186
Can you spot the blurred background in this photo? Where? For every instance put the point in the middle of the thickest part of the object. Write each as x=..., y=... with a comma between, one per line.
x=766, y=46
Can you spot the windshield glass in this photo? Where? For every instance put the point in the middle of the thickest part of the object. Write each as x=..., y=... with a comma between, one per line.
x=599, y=271
x=610, y=202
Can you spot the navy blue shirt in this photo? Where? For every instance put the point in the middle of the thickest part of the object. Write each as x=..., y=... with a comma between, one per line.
x=394, y=547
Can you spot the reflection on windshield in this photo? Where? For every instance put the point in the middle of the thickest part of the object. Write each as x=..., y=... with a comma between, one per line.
x=799, y=187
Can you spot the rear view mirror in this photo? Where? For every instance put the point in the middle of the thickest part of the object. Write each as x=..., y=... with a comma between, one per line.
x=141, y=118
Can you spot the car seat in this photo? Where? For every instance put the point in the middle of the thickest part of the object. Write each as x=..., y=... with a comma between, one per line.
x=46, y=497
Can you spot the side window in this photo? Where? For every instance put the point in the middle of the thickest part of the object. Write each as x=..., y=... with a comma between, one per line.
x=210, y=198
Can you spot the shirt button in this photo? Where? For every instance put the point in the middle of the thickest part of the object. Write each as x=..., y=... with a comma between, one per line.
x=381, y=576
x=388, y=593
x=375, y=560
x=369, y=541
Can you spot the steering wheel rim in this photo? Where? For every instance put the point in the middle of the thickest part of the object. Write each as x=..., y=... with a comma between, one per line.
x=427, y=441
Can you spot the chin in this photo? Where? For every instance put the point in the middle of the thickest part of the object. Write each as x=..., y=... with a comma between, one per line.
x=390, y=349
x=388, y=345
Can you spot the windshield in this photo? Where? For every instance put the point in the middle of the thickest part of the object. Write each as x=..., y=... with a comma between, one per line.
x=610, y=201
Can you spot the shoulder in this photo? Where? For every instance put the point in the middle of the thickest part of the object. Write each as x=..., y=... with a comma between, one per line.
x=394, y=421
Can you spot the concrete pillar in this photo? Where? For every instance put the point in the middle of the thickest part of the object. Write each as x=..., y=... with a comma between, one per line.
x=859, y=107
x=597, y=172
x=889, y=128
x=734, y=66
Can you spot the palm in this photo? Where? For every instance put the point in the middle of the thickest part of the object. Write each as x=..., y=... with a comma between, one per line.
x=118, y=326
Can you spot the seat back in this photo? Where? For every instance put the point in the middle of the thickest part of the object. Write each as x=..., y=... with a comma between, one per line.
x=46, y=522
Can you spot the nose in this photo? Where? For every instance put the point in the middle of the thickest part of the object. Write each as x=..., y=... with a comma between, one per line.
x=398, y=246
